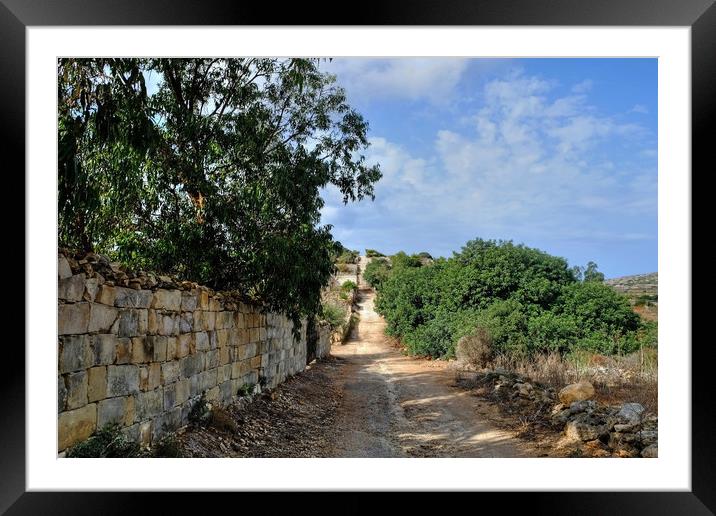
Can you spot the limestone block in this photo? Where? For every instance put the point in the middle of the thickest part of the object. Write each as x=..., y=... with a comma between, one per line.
x=73, y=318
x=132, y=298
x=132, y=322
x=63, y=267
x=141, y=350
x=222, y=338
x=212, y=359
x=170, y=372
x=124, y=351
x=97, y=383
x=61, y=394
x=114, y=410
x=170, y=396
x=105, y=295
x=167, y=300
x=76, y=389
x=202, y=341
x=149, y=404
x=91, y=289
x=159, y=347
x=76, y=425
x=183, y=389
x=189, y=301
x=122, y=380
x=204, y=299
x=171, y=348
x=191, y=365
x=185, y=343
x=102, y=317
x=103, y=348
x=186, y=322
x=75, y=353
x=72, y=288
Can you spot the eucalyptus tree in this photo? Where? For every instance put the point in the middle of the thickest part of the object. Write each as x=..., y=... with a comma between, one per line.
x=210, y=169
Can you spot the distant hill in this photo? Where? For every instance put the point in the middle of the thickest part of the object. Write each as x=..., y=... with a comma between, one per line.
x=636, y=285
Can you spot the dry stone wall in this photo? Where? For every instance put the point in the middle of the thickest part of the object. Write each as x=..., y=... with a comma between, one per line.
x=139, y=350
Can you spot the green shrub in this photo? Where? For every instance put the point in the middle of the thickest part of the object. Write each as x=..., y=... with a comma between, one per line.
x=526, y=300
x=334, y=315
x=372, y=253
x=107, y=442
x=376, y=272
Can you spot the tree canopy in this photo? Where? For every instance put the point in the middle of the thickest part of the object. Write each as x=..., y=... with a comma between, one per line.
x=209, y=169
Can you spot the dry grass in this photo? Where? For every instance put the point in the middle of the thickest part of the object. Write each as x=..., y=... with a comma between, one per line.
x=631, y=378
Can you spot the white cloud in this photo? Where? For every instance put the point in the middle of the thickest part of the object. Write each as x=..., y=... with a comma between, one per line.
x=639, y=108
x=583, y=87
x=432, y=79
x=530, y=165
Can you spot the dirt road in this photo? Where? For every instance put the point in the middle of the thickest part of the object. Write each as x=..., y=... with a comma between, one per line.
x=397, y=406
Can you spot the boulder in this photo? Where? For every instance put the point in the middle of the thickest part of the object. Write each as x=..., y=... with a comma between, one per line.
x=650, y=452
x=630, y=414
x=578, y=407
x=576, y=392
x=585, y=427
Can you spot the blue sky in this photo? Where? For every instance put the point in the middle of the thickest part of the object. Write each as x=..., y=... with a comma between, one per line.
x=558, y=154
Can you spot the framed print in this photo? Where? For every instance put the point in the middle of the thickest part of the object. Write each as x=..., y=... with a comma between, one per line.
x=412, y=251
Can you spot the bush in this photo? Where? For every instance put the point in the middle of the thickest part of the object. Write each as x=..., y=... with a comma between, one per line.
x=107, y=442
x=334, y=315
x=372, y=253
x=475, y=349
x=527, y=301
x=349, y=286
x=376, y=272
x=348, y=256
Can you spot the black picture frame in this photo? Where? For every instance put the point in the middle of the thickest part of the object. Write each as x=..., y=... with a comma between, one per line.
x=700, y=15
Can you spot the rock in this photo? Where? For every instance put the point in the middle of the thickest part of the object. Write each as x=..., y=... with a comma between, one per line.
x=576, y=392
x=582, y=406
x=122, y=380
x=102, y=318
x=585, y=427
x=149, y=404
x=131, y=298
x=72, y=288
x=73, y=318
x=650, y=452
x=167, y=300
x=97, y=383
x=104, y=349
x=648, y=437
x=91, y=289
x=76, y=425
x=114, y=410
x=61, y=394
x=63, y=267
x=75, y=354
x=132, y=322
x=523, y=389
x=630, y=414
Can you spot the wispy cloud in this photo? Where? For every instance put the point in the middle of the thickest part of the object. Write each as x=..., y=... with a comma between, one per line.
x=526, y=165
x=432, y=79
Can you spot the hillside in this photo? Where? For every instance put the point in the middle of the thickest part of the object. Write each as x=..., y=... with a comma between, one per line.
x=637, y=285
